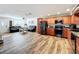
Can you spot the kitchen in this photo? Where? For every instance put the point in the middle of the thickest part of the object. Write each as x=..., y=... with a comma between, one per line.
x=54, y=31
x=70, y=26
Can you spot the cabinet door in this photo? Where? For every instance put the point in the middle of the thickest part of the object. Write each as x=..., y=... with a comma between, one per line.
x=65, y=33
x=50, y=31
x=67, y=20
x=72, y=19
x=76, y=20
x=51, y=21
x=77, y=45
x=68, y=34
x=48, y=20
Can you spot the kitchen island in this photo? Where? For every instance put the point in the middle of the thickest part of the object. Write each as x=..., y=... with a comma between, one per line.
x=76, y=35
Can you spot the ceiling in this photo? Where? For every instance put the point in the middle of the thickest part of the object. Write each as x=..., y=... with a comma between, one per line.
x=34, y=10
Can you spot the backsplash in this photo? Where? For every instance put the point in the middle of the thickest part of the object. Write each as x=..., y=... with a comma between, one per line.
x=52, y=25
x=77, y=26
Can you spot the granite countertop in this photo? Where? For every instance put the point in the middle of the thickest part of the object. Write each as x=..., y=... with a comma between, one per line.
x=75, y=33
x=50, y=26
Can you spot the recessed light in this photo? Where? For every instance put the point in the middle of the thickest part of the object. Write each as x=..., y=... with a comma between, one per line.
x=67, y=9
x=58, y=13
x=48, y=14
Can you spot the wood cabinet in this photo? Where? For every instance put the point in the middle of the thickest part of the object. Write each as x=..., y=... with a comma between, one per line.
x=72, y=19
x=67, y=33
x=75, y=15
x=75, y=19
x=66, y=20
x=50, y=31
x=51, y=20
x=77, y=45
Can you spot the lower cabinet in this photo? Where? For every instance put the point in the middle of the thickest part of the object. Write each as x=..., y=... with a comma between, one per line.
x=77, y=45
x=66, y=33
x=69, y=34
x=50, y=31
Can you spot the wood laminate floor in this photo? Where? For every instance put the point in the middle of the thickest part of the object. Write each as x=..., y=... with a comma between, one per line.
x=34, y=43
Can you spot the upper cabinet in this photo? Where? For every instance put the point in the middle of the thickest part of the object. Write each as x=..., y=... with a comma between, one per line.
x=75, y=11
x=51, y=20
x=76, y=19
x=75, y=15
x=67, y=19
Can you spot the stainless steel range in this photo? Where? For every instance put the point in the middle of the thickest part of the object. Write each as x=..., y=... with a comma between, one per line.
x=58, y=28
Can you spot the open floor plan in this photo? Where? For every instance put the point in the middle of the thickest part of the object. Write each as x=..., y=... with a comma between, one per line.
x=39, y=29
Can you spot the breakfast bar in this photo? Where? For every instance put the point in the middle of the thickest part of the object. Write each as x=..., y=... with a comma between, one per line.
x=76, y=35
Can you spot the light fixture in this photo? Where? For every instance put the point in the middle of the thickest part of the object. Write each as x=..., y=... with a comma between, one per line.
x=48, y=14
x=67, y=9
x=58, y=13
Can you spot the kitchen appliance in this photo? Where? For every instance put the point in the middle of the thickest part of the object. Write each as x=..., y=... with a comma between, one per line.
x=43, y=27
x=73, y=26
x=58, y=28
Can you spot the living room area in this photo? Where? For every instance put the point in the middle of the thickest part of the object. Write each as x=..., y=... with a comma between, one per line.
x=39, y=29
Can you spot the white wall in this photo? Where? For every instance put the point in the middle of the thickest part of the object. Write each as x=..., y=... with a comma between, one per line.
x=4, y=25
x=18, y=22
x=31, y=21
